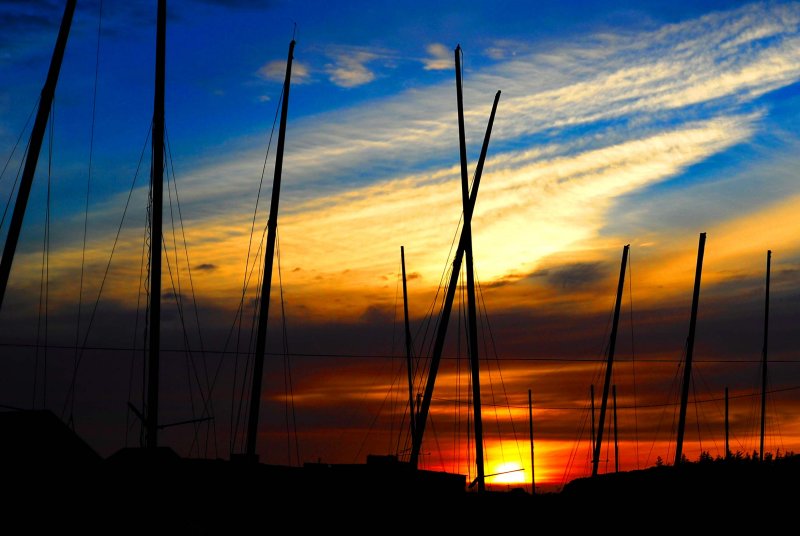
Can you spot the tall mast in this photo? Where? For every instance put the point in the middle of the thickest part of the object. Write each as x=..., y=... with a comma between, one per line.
x=764, y=363
x=727, y=427
x=471, y=309
x=616, y=431
x=409, y=363
x=441, y=331
x=530, y=427
x=35, y=146
x=592, y=439
x=272, y=229
x=610, y=363
x=154, y=322
x=687, y=370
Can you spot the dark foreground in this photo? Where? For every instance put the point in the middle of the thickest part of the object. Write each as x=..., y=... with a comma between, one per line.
x=53, y=482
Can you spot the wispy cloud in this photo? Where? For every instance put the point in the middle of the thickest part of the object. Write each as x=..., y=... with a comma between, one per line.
x=577, y=129
x=439, y=58
x=275, y=71
x=349, y=67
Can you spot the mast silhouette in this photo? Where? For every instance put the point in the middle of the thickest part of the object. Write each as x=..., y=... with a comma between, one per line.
x=764, y=363
x=447, y=307
x=157, y=190
x=34, y=148
x=687, y=370
x=266, y=285
x=471, y=309
x=592, y=438
x=727, y=428
x=616, y=431
x=409, y=363
x=530, y=427
x=611, y=346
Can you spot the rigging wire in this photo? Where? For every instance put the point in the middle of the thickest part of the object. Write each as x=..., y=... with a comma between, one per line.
x=497, y=360
x=716, y=406
x=44, y=281
x=139, y=293
x=248, y=272
x=286, y=359
x=633, y=358
x=696, y=413
x=21, y=162
x=71, y=389
x=208, y=402
x=86, y=205
x=673, y=389
x=395, y=402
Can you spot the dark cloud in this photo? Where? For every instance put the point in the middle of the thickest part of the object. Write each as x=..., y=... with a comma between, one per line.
x=205, y=267
x=577, y=275
x=413, y=275
x=378, y=314
x=172, y=296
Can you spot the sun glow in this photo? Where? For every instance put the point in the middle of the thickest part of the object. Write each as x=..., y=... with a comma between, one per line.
x=508, y=473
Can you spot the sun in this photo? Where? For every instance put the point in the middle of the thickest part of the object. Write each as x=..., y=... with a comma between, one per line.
x=508, y=473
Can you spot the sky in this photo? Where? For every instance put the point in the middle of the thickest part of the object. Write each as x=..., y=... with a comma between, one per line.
x=641, y=123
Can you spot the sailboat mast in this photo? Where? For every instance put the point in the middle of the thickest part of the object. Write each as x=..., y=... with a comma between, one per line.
x=530, y=427
x=727, y=427
x=154, y=321
x=471, y=308
x=447, y=307
x=610, y=363
x=616, y=431
x=764, y=363
x=34, y=148
x=687, y=370
x=409, y=363
x=269, y=253
x=592, y=440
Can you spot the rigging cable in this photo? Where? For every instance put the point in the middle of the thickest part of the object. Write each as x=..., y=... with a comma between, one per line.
x=697, y=414
x=21, y=163
x=86, y=205
x=208, y=402
x=71, y=389
x=245, y=282
x=44, y=281
x=142, y=283
x=499, y=370
x=719, y=410
x=286, y=359
x=633, y=359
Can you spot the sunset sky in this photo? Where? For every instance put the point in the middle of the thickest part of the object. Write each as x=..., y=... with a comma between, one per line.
x=620, y=122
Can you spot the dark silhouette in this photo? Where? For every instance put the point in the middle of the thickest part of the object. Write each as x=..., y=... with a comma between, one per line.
x=35, y=146
x=471, y=310
x=611, y=346
x=157, y=188
x=687, y=371
x=451, y=292
x=269, y=254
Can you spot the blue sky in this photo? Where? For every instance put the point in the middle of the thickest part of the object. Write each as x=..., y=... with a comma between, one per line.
x=619, y=122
